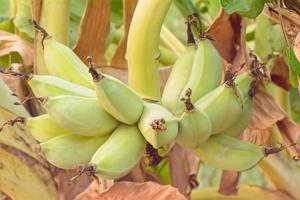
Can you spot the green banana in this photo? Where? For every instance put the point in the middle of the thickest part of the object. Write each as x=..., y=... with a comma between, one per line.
x=207, y=69
x=241, y=124
x=230, y=153
x=116, y=98
x=61, y=61
x=58, y=29
x=69, y=151
x=176, y=82
x=50, y=86
x=158, y=125
x=194, y=125
x=81, y=115
x=142, y=47
x=226, y=102
x=43, y=128
x=120, y=153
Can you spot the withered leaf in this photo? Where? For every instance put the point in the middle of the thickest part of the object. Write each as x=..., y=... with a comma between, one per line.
x=229, y=184
x=10, y=42
x=93, y=31
x=231, y=44
x=280, y=72
x=131, y=191
x=118, y=59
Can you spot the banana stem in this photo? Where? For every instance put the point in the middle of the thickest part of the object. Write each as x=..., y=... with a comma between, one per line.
x=171, y=41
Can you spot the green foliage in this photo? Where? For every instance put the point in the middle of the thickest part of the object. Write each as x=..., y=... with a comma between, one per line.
x=210, y=176
x=4, y=10
x=269, y=38
x=116, y=12
x=294, y=66
x=247, y=8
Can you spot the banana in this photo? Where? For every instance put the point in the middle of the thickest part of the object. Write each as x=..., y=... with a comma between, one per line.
x=176, y=82
x=116, y=98
x=158, y=125
x=142, y=47
x=80, y=115
x=229, y=153
x=58, y=29
x=43, y=128
x=241, y=124
x=69, y=151
x=120, y=153
x=50, y=86
x=61, y=61
x=206, y=72
x=194, y=125
x=225, y=102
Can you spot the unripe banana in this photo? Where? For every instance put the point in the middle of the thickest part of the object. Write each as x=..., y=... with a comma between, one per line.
x=43, y=128
x=117, y=98
x=158, y=125
x=69, y=151
x=80, y=115
x=229, y=153
x=51, y=86
x=241, y=124
x=61, y=61
x=176, y=82
x=206, y=71
x=194, y=126
x=142, y=47
x=225, y=102
x=120, y=153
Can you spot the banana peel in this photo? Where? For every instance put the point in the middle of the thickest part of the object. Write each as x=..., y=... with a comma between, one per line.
x=23, y=178
x=246, y=192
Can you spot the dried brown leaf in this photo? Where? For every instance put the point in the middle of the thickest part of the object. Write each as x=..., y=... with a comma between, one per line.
x=13, y=43
x=69, y=190
x=184, y=166
x=94, y=29
x=266, y=113
x=131, y=191
x=118, y=59
x=280, y=72
x=290, y=132
x=229, y=184
x=36, y=6
x=256, y=136
x=230, y=41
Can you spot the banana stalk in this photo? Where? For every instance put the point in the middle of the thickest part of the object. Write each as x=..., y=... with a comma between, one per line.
x=142, y=47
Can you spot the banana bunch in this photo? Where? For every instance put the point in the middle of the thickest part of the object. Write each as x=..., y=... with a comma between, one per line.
x=112, y=123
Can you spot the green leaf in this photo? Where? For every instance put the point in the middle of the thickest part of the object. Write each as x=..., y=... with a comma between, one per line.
x=268, y=37
x=247, y=8
x=4, y=9
x=292, y=60
x=77, y=9
x=186, y=7
x=116, y=12
x=294, y=66
x=21, y=20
